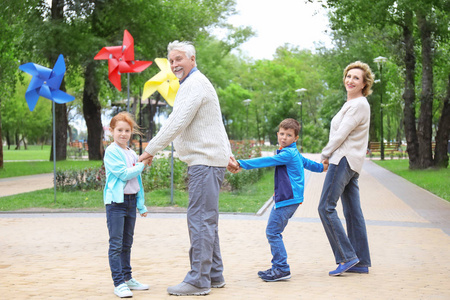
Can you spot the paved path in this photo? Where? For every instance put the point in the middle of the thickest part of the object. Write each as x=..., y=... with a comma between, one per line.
x=64, y=255
x=23, y=184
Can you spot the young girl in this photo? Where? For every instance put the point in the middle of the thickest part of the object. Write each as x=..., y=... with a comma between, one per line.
x=122, y=194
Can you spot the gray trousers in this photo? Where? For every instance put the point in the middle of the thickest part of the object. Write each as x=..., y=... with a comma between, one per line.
x=203, y=221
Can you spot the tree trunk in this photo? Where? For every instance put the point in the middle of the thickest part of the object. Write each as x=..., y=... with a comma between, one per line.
x=92, y=113
x=409, y=97
x=61, y=122
x=17, y=140
x=424, y=129
x=8, y=140
x=443, y=133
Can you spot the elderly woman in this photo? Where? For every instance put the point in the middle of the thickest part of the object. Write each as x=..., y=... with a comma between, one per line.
x=345, y=151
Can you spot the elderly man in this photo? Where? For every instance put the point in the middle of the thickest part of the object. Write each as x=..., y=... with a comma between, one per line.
x=195, y=126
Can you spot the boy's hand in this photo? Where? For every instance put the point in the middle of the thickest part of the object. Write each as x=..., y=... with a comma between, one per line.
x=325, y=163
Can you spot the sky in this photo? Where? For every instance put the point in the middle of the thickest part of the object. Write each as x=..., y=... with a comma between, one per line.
x=277, y=22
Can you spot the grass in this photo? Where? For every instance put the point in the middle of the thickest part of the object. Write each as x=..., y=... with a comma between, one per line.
x=248, y=200
x=34, y=152
x=436, y=181
x=23, y=168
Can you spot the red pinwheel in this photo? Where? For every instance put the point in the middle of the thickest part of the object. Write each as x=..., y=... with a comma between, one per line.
x=121, y=60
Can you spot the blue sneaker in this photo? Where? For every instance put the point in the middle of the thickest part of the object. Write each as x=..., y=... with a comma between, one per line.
x=342, y=267
x=260, y=273
x=360, y=270
x=275, y=275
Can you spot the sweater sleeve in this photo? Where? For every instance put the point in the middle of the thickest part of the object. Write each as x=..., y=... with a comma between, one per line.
x=350, y=121
x=187, y=102
x=280, y=159
x=115, y=163
x=312, y=165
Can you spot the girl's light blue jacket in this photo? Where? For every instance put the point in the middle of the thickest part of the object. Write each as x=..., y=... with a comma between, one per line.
x=117, y=175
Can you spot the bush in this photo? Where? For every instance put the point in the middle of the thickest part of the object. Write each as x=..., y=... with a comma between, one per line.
x=85, y=179
x=158, y=175
x=244, y=150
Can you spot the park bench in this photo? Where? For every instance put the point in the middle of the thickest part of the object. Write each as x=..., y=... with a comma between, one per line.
x=389, y=148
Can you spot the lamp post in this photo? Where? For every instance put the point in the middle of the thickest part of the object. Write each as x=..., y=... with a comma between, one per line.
x=299, y=92
x=246, y=103
x=380, y=60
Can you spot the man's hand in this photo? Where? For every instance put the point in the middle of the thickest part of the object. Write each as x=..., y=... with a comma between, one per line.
x=233, y=165
x=147, y=157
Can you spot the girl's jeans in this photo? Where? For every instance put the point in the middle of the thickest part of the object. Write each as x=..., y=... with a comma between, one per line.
x=121, y=218
x=278, y=220
x=341, y=181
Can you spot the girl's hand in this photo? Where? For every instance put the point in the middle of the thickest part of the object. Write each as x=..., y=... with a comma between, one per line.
x=144, y=215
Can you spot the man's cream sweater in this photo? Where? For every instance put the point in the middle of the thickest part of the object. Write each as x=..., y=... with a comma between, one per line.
x=349, y=134
x=195, y=125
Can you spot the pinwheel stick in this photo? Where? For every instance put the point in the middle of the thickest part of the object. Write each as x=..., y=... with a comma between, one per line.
x=54, y=153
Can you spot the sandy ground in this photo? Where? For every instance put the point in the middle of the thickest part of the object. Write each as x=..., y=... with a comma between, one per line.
x=64, y=255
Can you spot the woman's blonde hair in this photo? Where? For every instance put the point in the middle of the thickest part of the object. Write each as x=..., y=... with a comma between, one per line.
x=368, y=76
x=125, y=117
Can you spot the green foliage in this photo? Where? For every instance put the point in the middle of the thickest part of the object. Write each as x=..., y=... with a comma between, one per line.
x=243, y=150
x=80, y=180
x=158, y=176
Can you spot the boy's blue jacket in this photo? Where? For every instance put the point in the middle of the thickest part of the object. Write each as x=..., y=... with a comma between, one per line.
x=289, y=173
x=117, y=175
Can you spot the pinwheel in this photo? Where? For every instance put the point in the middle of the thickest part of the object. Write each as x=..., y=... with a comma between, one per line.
x=46, y=82
x=121, y=60
x=165, y=82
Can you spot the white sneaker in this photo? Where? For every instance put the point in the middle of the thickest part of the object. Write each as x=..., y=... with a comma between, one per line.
x=123, y=291
x=133, y=284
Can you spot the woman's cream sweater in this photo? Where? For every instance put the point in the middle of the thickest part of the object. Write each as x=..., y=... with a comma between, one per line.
x=349, y=134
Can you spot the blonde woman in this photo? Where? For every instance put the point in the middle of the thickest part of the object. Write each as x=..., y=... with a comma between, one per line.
x=345, y=151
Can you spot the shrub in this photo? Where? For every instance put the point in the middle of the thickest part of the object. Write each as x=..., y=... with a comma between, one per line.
x=85, y=179
x=244, y=150
x=158, y=175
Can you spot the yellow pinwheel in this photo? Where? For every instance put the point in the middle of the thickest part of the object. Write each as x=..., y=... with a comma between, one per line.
x=165, y=82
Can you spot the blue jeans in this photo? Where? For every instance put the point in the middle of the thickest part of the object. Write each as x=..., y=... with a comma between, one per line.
x=341, y=181
x=121, y=219
x=278, y=220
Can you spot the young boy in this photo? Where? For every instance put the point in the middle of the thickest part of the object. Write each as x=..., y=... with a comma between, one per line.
x=289, y=186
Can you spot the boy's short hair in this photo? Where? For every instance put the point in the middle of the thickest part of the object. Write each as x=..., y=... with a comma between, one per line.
x=290, y=124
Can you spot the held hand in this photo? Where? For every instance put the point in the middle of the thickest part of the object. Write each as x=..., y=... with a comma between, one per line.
x=233, y=165
x=148, y=161
x=144, y=156
x=144, y=215
x=325, y=163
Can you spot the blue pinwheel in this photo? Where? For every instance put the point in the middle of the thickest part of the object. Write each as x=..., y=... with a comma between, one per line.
x=46, y=83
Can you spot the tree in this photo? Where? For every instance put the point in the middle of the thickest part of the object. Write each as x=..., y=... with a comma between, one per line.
x=424, y=21
x=11, y=18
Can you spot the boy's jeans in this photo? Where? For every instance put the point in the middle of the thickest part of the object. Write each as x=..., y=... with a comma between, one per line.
x=275, y=226
x=341, y=181
x=121, y=219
